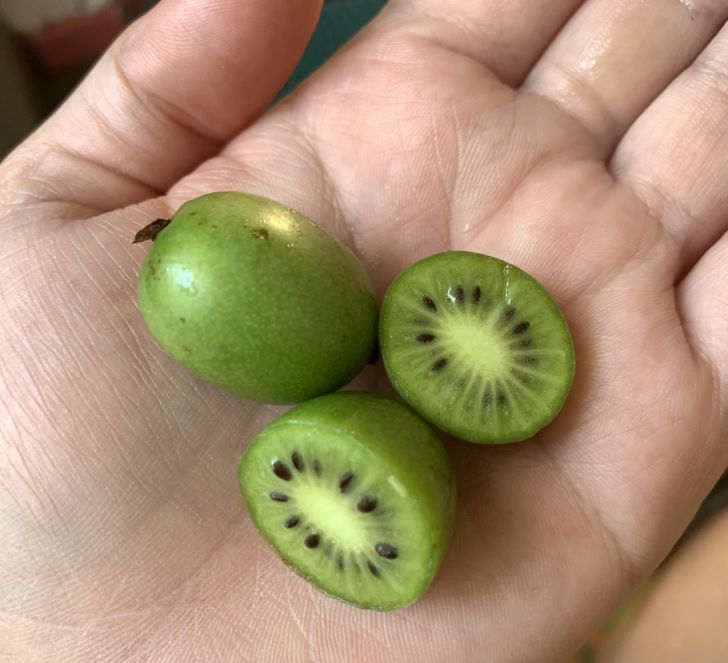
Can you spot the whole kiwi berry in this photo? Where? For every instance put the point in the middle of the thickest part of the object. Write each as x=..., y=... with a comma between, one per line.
x=255, y=298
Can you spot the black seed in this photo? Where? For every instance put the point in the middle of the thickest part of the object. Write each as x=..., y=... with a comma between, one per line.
x=429, y=303
x=502, y=398
x=340, y=562
x=385, y=550
x=425, y=338
x=316, y=468
x=367, y=504
x=311, y=541
x=521, y=327
x=460, y=294
x=278, y=497
x=487, y=399
x=476, y=294
x=528, y=359
x=281, y=470
x=345, y=480
x=291, y=522
x=374, y=570
x=509, y=313
x=439, y=364
x=297, y=461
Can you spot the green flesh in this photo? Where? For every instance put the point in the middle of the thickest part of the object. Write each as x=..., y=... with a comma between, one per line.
x=477, y=347
x=255, y=298
x=382, y=555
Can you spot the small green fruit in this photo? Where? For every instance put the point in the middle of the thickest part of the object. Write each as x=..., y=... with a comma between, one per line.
x=356, y=493
x=255, y=298
x=477, y=347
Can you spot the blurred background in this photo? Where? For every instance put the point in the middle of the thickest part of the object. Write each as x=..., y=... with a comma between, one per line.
x=47, y=46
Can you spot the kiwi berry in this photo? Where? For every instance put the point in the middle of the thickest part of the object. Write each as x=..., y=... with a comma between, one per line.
x=476, y=346
x=255, y=298
x=354, y=492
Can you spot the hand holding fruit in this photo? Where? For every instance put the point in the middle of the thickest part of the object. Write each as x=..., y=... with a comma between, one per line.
x=121, y=516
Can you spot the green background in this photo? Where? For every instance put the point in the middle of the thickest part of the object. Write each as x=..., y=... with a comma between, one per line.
x=340, y=20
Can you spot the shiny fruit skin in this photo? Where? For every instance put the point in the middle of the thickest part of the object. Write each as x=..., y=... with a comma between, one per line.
x=255, y=298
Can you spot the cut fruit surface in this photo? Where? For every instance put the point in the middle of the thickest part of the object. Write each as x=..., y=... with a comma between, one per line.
x=355, y=492
x=476, y=346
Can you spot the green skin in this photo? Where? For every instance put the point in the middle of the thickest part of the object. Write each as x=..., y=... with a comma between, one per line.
x=255, y=298
x=398, y=446
x=434, y=394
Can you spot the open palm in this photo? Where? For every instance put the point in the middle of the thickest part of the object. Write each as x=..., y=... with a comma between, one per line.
x=582, y=141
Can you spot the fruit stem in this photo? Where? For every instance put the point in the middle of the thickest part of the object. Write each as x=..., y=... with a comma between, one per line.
x=151, y=230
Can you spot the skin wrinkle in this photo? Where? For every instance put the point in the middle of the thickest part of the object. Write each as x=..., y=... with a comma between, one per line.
x=179, y=602
x=183, y=35
x=101, y=409
x=713, y=71
x=91, y=621
x=700, y=356
x=44, y=194
x=657, y=203
x=156, y=105
x=572, y=62
x=126, y=332
x=158, y=407
x=456, y=178
x=719, y=406
x=303, y=631
x=658, y=188
x=605, y=133
x=642, y=250
x=459, y=36
x=447, y=187
x=336, y=209
x=488, y=45
x=626, y=568
x=39, y=490
x=175, y=598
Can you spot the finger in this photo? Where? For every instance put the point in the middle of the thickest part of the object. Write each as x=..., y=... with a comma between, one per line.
x=676, y=155
x=616, y=56
x=175, y=85
x=507, y=36
x=703, y=303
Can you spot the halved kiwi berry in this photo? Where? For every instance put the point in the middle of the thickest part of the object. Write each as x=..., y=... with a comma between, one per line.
x=355, y=492
x=476, y=346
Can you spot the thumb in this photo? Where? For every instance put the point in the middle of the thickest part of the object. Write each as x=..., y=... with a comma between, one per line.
x=176, y=85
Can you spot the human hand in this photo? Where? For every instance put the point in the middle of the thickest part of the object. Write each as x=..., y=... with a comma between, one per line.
x=605, y=175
